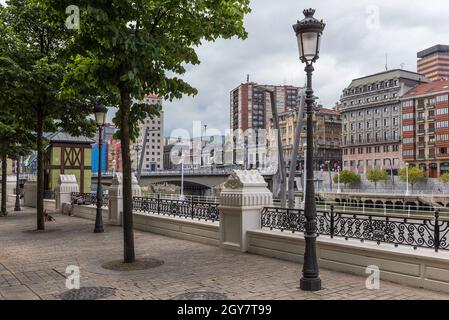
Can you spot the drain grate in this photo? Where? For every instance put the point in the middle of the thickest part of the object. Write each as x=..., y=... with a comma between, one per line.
x=88, y=293
x=201, y=296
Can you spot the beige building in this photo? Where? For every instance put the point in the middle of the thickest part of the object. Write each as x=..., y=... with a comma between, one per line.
x=371, y=114
x=327, y=135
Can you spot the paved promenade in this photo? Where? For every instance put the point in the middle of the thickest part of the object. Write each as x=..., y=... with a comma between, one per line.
x=33, y=265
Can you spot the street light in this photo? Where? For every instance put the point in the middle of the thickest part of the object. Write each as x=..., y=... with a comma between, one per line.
x=17, y=204
x=308, y=33
x=338, y=180
x=407, y=191
x=100, y=112
x=181, y=197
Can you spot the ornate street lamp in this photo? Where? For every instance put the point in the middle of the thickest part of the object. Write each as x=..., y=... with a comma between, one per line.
x=17, y=204
x=308, y=32
x=100, y=112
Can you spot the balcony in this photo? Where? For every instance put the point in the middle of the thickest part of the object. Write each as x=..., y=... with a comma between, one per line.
x=420, y=107
x=420, y=119
x=421, y=132
x=421, y=144
x=430, y=106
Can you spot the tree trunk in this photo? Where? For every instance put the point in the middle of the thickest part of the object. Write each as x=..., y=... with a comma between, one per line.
x=40, y=173
x=128, y=232
x=4, y=181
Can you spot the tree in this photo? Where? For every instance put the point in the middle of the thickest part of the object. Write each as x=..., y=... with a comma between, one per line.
x=39, y=51
x=376, y=174
x=135, y=47
x=415, y=175
x=444, y=178
x=348, y=178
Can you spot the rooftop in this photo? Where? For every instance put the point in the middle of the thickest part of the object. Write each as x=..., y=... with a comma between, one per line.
x=428, y=89
x=435, y=49
x=388, y=75
x=62, y=136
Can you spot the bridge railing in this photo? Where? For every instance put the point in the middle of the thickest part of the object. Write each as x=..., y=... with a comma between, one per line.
x=80, y=198
x=417, y=233
x=178, y=208
x=207, y=199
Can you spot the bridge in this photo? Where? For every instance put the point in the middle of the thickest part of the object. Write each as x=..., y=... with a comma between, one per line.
x=388, y=200
x=195, y=180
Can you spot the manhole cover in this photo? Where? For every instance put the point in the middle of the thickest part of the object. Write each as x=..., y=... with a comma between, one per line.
x=88, y=293
x=201, y=296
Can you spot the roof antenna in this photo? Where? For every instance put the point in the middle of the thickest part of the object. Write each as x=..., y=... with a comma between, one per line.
x=247, y=78
x=402, y=65
x=386, y=61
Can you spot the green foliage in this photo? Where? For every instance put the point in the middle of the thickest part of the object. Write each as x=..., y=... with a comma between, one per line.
x=444, y=178
x=3, y=213
x=376, y=174
x=348, y=178
x=129, y=48
x=415, y=175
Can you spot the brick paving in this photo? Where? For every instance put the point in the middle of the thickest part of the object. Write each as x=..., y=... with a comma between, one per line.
x=32, y=266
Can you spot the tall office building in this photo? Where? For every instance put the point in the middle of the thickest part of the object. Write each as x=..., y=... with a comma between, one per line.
x=153, y=142
x=371, y=114
x=250, y=105
x=433, y=63
x=425, y=119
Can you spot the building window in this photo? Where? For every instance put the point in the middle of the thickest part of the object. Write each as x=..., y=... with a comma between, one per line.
x=442, y=111
x=407, y=104
x=442, y=124
x=442, y=98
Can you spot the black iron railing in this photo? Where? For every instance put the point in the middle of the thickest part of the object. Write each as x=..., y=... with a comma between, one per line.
x=80, y=198
x=179, y=208
x=418, y=233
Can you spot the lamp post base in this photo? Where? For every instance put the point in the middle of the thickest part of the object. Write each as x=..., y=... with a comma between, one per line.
x=310, y=284
x=99, y=230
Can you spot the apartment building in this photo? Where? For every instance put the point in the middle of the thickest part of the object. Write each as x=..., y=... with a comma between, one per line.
x=425, y=127
x=250, y=105
x=371, y=116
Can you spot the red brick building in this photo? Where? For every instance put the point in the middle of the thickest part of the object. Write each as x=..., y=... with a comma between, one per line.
x=425, y=127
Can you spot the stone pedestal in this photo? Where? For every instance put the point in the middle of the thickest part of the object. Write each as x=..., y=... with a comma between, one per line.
x=66, y=185
x=244, y=195
x=116, y=197
x=11, y=183
x=30, y=192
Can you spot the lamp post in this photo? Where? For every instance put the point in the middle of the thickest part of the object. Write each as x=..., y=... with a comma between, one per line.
x=308, y=33
x=17, y=204
x=181, y=197
x=338, y=178
x=304, y=176
x=407, y=191
x=100, y=112
x=330, y=173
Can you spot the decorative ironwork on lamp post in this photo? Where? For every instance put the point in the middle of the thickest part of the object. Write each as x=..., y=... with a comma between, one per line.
x=100, y=112
x=308, y=33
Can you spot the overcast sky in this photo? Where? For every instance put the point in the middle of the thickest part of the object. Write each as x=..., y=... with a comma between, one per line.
x=357, y=36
